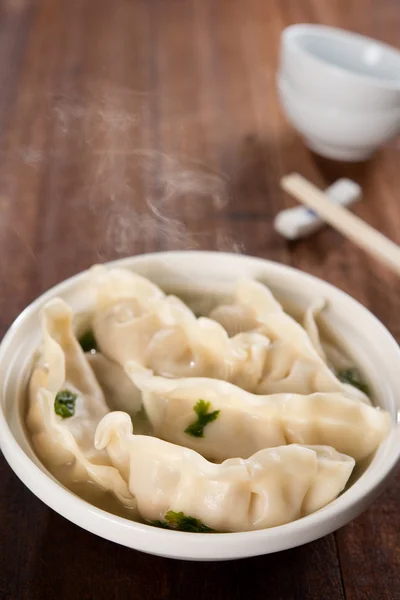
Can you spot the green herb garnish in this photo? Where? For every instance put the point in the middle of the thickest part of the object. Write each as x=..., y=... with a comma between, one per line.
x=88, y=341
x=178, y=521
x=64, y=404
x=352, y=376
x=201, y=409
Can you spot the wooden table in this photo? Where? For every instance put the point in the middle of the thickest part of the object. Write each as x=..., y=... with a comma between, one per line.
x=139, y=125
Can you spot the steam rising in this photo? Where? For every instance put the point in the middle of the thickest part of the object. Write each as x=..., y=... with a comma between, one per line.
x=99, y=155
x=146, y=197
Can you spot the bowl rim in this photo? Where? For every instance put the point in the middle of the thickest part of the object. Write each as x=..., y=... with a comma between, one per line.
x=226, y=545
x=293, y=33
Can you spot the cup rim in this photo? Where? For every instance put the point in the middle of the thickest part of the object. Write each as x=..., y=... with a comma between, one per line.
x=221, y=546
x=293, y=33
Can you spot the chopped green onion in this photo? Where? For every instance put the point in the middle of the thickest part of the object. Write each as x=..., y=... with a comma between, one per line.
x=352, y=377
x=178, y=521
x=201, y=408
x=64, y=404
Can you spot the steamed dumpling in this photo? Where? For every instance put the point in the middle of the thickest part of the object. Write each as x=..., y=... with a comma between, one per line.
x=244, y=423
x=69, y=440
x=295, y=360
x=136, y=321
x=268, y=353
x=124, y=320
x=272, y=487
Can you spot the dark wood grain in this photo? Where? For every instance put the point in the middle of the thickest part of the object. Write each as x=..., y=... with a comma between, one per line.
x=139, y=125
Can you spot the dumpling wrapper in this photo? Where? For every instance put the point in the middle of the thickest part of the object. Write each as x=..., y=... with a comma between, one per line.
x=295, y=360
x=269, y=353
x=69, y=441
x=272, y=487
x=135, y=320
x=247, y=422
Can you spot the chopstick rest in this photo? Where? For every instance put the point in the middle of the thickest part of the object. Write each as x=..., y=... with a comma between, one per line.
x=298, y=222
x=349, y=225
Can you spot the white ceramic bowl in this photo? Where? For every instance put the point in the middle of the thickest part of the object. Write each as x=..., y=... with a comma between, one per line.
x=340, y=90
x=364, y=337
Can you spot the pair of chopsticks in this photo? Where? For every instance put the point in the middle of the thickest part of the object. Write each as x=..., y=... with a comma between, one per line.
x=351, y=226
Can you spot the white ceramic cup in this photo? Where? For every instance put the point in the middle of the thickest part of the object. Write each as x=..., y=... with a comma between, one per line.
x=340, y=90
x=204, y=273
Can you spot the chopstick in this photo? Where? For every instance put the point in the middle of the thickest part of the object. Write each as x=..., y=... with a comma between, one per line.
x=347, y=223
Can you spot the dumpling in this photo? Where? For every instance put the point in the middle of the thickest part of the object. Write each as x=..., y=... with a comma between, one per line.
x=294, y=361
x=124, y=320
x=201, y=347
x=272, y=487
x=221, y=421
x=134, y=320
x=66, y=404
